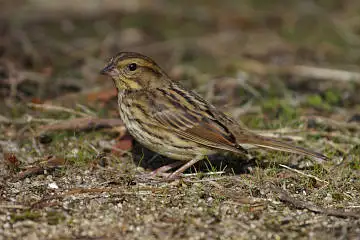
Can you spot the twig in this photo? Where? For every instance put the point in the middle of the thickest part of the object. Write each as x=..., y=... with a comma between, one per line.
x=207, y=174
x=312, y=133
x=333, y=123
x=48, y=107
x=279, y=131
x=285, y=197
x=26, y=119
x=86, y=110
x=210, y=180
x=301, y=71
x=304, y=174
x=275, y=135
x=47, y=164
x=325, y=73
x=10, y=206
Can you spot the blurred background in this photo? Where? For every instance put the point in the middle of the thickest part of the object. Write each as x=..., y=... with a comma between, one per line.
x=234, y=53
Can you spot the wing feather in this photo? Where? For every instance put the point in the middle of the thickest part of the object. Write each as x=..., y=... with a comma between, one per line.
x=191, y=121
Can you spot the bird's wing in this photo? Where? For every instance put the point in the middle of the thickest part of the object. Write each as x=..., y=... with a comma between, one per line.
x=189, y=116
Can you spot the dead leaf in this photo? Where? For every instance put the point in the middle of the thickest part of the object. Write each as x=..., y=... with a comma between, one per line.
x=11, y=160
x=125, y=144
x=50, y=163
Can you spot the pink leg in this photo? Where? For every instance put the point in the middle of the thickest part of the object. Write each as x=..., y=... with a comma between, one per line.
x=164, y=169
x=176, y=174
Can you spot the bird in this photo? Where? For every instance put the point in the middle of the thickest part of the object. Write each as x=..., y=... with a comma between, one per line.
x=165, y=117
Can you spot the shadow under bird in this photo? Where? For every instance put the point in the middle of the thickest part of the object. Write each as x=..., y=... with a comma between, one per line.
x=172, y=121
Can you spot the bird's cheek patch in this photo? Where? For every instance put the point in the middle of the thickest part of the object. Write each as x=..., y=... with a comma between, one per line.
x=113, y=72
x=132, y=84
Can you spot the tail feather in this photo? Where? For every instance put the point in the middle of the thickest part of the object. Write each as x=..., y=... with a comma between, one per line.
x=270, y=143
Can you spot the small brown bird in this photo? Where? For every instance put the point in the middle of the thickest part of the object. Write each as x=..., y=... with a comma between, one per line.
x=166, y=118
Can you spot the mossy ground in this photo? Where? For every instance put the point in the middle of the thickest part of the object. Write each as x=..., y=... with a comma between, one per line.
x=226, y=51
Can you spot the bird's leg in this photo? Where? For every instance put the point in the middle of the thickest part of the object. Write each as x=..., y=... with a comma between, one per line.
x=184, y=167
x=165, y=168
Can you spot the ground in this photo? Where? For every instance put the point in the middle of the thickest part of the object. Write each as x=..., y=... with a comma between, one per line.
x=287, y=69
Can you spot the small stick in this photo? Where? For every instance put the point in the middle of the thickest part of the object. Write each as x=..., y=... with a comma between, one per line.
x=209, y=180
x=319, y=73
x=304, y=174
x=86, y=109
x=48, y=107
x=25, y=119
x=333, y=123
x=285, y=197
x=207, y=174
x=325, y=73
x=9, y=206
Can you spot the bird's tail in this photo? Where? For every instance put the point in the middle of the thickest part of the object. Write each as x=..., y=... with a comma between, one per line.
x=270, y=143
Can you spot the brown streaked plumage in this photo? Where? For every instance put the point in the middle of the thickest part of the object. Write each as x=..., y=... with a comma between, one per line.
x=177, y=123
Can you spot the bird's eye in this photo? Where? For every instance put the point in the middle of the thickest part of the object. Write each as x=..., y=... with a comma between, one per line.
x=132, y=66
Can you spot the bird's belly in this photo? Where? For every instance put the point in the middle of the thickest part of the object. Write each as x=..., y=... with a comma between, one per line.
x=161, y=140
x=166, y=143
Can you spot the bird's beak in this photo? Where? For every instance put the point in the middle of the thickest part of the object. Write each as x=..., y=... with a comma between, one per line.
x=110, y=70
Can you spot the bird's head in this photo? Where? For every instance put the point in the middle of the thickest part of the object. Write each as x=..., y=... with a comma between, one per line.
x=134, y=71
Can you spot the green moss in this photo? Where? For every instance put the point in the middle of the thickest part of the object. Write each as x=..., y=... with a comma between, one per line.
x=317, y=102
x=280, y=110
x=314, y=100
x=253, y=121
x=332, y=97
x=355, y=164
x=27, y=215
x=54, y=217
x=81, y=156
x=319, y=170
x=338, y=196
x=326, y=101
x=355, y=152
